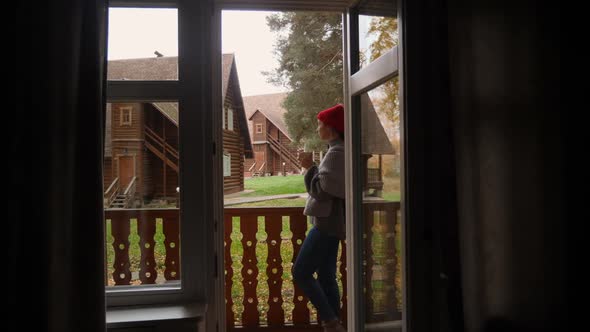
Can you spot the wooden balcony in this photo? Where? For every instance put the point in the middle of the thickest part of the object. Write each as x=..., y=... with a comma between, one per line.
x=261, y=245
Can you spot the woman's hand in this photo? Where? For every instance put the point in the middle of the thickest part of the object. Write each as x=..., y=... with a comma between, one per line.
x=305, y=159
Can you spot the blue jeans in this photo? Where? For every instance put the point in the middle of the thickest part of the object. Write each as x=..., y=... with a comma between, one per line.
x=318, y=254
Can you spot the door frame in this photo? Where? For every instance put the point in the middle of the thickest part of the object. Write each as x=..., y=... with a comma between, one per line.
x=363, y=81
x=356, y=82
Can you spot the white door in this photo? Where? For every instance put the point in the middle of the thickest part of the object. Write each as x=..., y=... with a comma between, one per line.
x=374, y=175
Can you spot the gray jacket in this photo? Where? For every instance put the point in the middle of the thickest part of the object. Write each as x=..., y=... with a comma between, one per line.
x=325, y=186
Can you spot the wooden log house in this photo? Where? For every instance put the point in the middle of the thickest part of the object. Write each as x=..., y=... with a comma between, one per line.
x=274, y=153
x=141, y=162
x=272, y=145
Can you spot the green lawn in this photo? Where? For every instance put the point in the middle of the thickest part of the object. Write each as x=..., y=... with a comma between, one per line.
x=392, y=196
x=274, y=185
x=283, y=202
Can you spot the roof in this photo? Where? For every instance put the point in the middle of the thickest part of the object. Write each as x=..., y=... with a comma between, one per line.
x=271, y=106
x=375, y=140
x=230, y=73
x=146, y=69
x=226, y=65
x=169, y=110
x=165, y=69
x=159, y=69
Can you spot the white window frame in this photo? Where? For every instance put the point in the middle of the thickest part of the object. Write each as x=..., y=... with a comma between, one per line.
x=230, y=119
x=223, y=118
x=197, y=254
x=122, y=112
x=226, y=164
x=259, y=126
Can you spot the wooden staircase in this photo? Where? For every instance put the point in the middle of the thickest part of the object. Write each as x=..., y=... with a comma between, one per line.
x=115, y=199
x=259, y=171
x=158, y=146
x=283, y=152
x=119, y=202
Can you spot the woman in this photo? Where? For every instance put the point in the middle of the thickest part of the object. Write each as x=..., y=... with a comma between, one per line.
x=325, y=205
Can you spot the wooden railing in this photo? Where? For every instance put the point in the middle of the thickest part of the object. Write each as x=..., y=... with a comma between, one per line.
x=261, y=245
x=121, y=222
x=261, y=168
x=129, y=192
x=161, y=148
x=252, y=167
x=374, y=178
x=111, y=193
x=283, y=151
x=382, y=272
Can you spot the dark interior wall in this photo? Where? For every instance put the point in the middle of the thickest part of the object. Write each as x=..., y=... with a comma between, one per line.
x=56, y=228
x=504, y=79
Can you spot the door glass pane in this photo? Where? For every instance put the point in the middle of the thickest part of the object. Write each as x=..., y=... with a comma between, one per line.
x=381, y=217
x=143, y=44
x=141, y=166
x=378, y=31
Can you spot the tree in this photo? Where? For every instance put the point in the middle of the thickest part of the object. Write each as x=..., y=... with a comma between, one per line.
x=309, y=50
x=384, y=29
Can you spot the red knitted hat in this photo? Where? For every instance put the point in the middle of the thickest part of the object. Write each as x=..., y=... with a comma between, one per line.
x=333, y=117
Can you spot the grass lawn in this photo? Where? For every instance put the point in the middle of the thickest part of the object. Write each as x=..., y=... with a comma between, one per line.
x=283, y=202
x=274, y=185
x=392, y=196
x=293, y=184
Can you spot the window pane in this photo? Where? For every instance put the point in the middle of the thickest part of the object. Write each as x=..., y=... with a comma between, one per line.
x=382, y=269
x=378, y=31
x=230, y=119
x=143, y=44
x=226, y=164
x=141, y=166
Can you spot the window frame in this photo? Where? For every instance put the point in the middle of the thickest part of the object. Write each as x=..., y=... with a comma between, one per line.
x=123, y=112
x=230, y=119
x=258, y=128
x=189, y=56
x=223, y=118
x=226, y=167
x=195, y=218
x=357, y=81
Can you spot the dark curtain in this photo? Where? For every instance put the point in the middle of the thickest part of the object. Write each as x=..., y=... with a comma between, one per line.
x=485, y=162
x=55, y=131
x=505, y=84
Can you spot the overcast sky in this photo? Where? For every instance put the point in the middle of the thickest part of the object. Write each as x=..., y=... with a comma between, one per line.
x=137, y=33
x=247, y=36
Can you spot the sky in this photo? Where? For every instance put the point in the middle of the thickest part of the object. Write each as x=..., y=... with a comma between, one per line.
x=247, y=36
x=138, y=33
